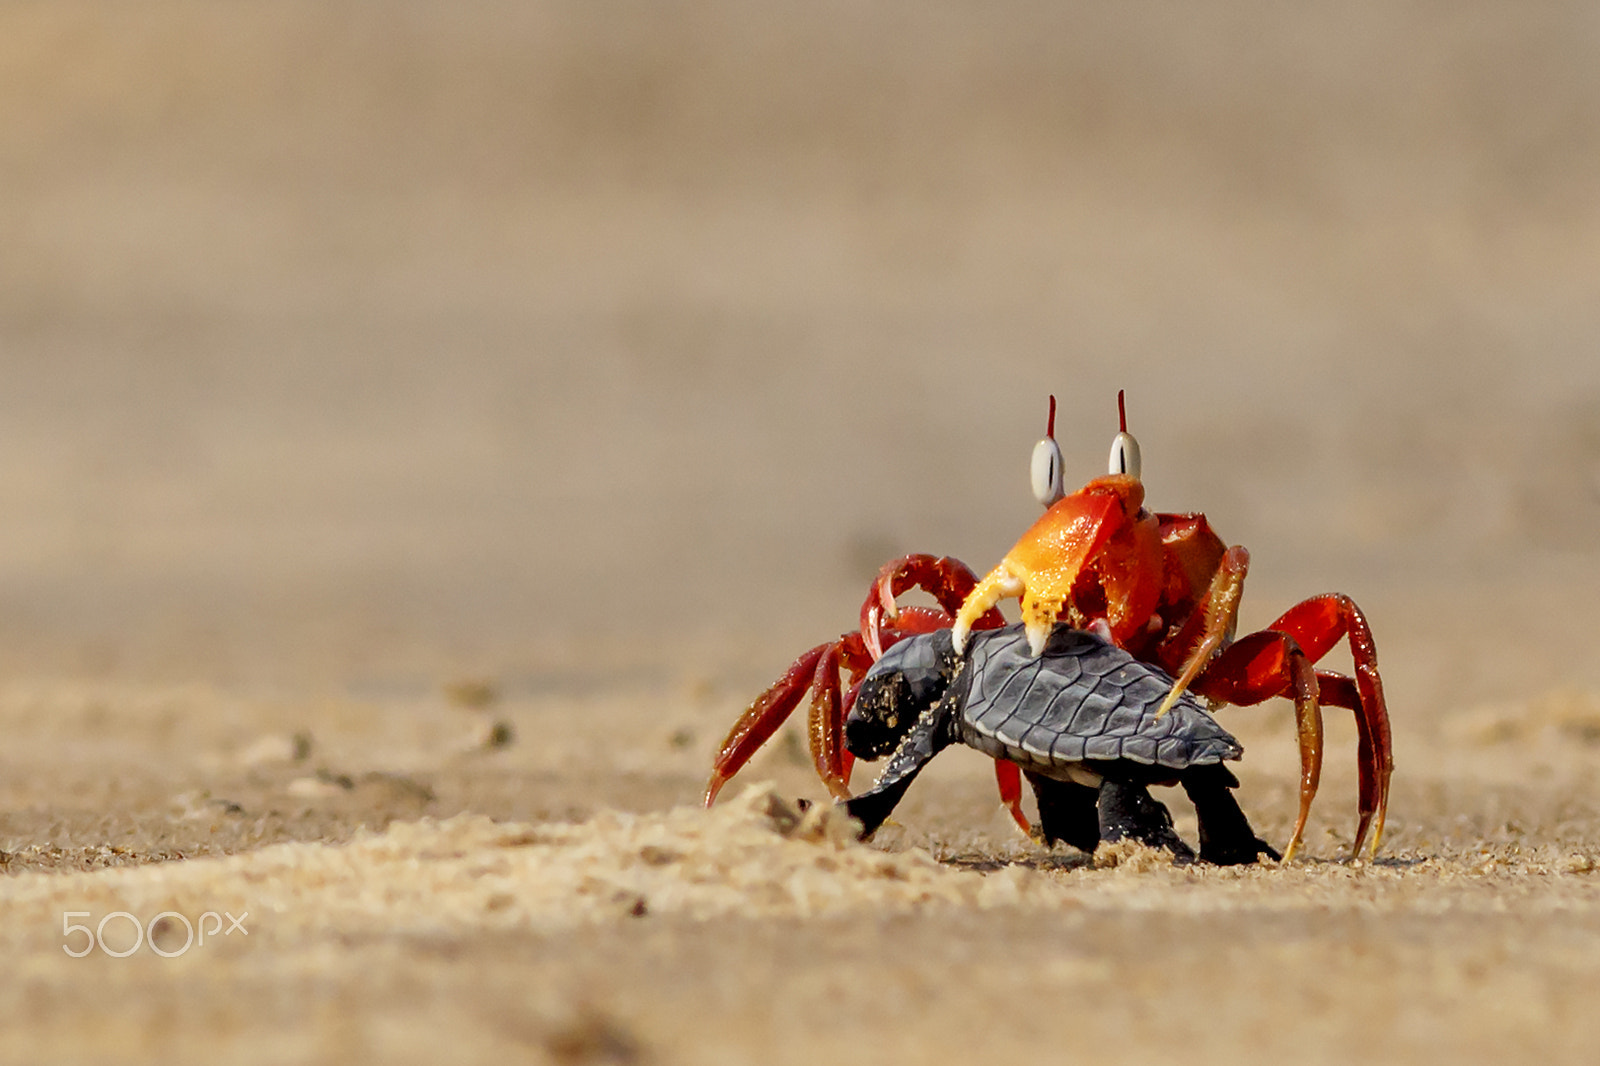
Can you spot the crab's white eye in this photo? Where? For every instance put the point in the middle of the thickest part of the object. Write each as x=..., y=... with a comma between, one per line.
x=1046, y=472
x=1125, y=455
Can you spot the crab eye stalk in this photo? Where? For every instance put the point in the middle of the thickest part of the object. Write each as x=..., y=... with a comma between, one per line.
x=1124, y=449
x=1046, y=467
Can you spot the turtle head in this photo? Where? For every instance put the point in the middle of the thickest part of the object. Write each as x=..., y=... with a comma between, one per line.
x=908, y=679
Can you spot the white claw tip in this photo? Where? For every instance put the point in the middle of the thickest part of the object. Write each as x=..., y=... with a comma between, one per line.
x=1037, y=636
x=958, y=636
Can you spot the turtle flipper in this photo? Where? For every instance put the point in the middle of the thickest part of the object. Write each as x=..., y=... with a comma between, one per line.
x=1129, y=812
x=931, y=735
x=1226, y=838
x=1067, y=812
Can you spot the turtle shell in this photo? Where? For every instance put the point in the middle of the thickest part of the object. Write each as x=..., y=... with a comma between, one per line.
x=1082, y=700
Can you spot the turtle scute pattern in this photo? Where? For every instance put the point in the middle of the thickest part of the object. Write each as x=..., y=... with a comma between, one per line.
x=1083, y=699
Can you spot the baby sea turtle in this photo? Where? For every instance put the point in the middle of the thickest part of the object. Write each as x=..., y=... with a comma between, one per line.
x=1081, y=720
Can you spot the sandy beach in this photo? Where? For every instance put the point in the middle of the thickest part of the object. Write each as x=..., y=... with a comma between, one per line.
x=423, y=429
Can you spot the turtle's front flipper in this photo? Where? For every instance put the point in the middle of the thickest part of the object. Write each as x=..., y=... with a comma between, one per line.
x=932, y=733
x=1129, y=812
x=1226, y=838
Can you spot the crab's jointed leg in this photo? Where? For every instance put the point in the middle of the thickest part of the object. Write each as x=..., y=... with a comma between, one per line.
x=825, y=725
x=1008, y=776
x=1317, y=624
x=1258, y=667
x=1215, y=622
x=947, y=580
x=1278, y=661
x=762, y=718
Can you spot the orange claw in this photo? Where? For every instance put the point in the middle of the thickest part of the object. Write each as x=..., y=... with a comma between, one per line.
x=1101, y=525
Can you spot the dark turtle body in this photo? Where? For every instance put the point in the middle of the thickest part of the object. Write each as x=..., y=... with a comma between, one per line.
x=1079, y=719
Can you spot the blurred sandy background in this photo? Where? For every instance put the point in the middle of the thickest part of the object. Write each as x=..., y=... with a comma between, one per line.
x=601, y=351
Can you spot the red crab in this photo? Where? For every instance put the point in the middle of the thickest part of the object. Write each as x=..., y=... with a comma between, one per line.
x=883, y=623
x=1166, y=588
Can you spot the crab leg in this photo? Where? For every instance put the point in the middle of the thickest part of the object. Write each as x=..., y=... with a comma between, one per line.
x=847, y=761
x=1318, y=624
x=947, y=580
x=1008, y=776
x=1373, y=785
x=1215, y=621
x=1258, y=667
x=762, y=718
x=825, y=724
